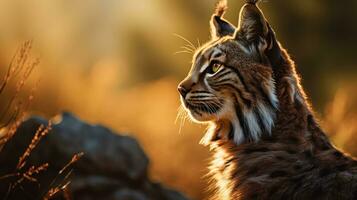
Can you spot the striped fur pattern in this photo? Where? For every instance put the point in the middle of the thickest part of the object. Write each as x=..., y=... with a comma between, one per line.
x=266, y=141
x=241, y=84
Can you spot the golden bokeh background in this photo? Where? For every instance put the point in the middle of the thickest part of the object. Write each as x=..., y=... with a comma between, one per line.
x=113, y=62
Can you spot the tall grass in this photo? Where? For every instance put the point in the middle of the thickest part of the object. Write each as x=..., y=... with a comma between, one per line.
x=13, y=113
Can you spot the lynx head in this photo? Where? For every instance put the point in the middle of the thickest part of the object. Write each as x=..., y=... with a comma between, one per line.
x=230, y=85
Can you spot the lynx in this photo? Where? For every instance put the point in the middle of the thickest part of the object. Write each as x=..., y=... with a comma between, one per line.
x=265, y=139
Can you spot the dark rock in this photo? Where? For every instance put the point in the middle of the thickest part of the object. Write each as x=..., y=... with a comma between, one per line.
x=113, y=166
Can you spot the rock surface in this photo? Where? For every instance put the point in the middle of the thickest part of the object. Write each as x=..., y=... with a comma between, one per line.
x=113, y=166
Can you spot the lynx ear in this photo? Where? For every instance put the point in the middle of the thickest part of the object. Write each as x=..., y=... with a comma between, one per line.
x=253, y=29
x=219, y=26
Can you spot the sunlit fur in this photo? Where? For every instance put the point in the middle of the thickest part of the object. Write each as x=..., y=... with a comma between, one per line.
x=266, y=141
x=240, y=95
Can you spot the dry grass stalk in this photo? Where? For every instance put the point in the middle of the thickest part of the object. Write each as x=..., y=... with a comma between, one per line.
x=74, y=159
x=21, y=63
x=40, y=133
x=21, y=66
x=62, y=187
x=19, y=69
x=28, y=175
x=13, y=68
x=56, y=190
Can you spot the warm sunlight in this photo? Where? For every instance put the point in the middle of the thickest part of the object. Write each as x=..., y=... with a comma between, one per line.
x=118, y=64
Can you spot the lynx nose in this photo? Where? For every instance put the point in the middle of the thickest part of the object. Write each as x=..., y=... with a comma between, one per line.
x=183, y=91
x=185, y=87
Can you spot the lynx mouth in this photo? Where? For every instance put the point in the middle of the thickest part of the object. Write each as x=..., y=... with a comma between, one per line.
x=202, y=111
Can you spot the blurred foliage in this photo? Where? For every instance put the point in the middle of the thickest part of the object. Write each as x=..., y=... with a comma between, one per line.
x=114, y=62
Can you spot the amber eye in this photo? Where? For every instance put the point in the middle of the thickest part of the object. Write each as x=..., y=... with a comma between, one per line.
x=214, y=68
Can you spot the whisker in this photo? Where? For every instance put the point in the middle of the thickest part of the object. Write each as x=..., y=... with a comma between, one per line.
x=178, y=114
x=186, y=40
x=178, y=52
x=189, y=47
x=181, y=114
x=187, y=50
x=182, y=121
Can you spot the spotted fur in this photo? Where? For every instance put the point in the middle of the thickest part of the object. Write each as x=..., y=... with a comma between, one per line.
x=266, y=141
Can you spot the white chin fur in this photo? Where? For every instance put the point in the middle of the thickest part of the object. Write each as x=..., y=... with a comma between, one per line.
x=253, y=130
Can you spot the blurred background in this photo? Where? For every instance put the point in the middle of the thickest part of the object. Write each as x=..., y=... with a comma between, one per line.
x=113, y=62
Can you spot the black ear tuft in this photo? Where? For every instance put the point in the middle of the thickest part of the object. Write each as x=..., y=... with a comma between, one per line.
x=221, y=8
x=219, y=26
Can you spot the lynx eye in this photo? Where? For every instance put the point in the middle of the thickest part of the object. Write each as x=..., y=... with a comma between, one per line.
x=214, y=68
